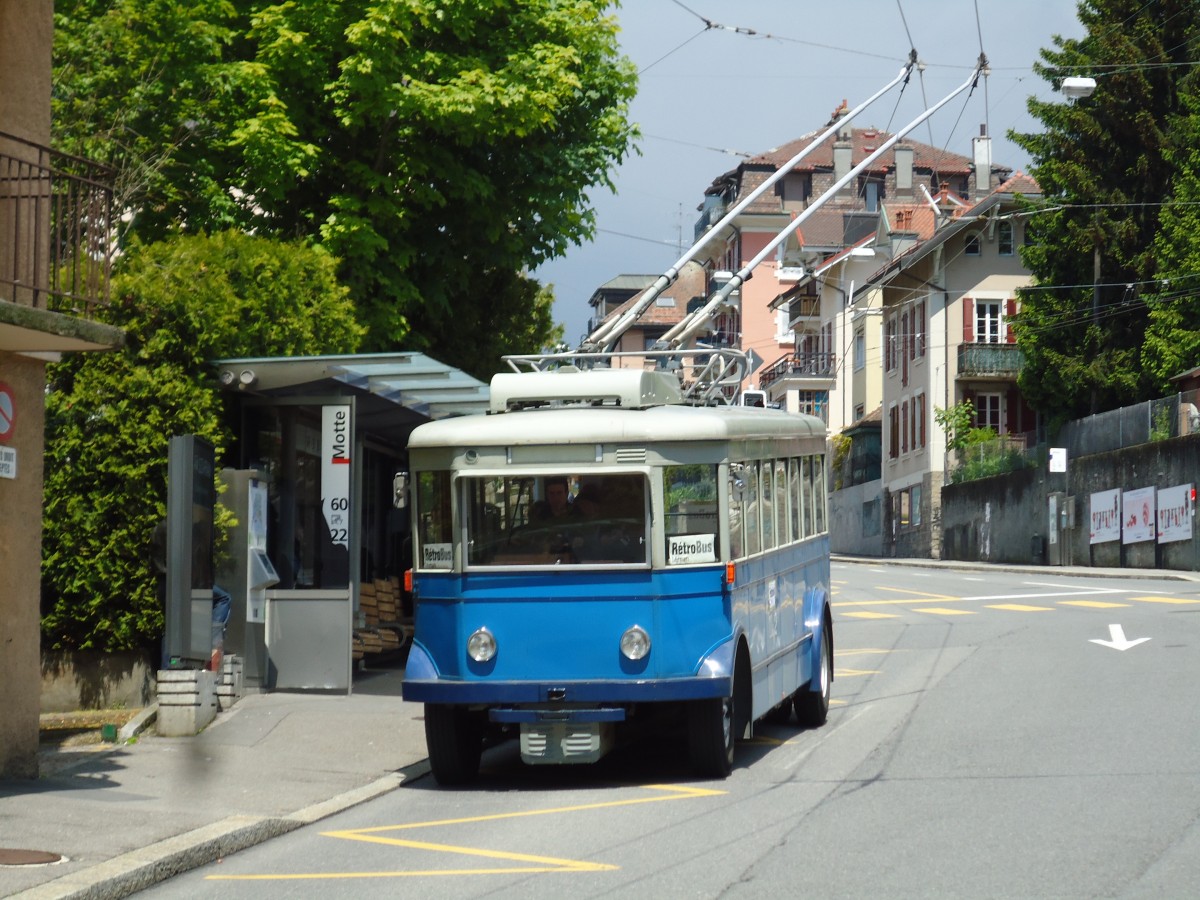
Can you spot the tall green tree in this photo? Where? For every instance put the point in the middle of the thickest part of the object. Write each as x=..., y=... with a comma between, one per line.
x=438, y=150
x=183, y=302
x=1104, y=172
x=1173, y=334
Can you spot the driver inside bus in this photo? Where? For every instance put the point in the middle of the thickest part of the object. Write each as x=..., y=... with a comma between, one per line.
x=557, y=504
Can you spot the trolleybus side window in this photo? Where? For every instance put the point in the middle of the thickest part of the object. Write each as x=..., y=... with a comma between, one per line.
x=737, y=511
x=781, y=502
x=690, y=495
x=797, y=499
x=753, y=543
x=818, y=495
x=434, y=523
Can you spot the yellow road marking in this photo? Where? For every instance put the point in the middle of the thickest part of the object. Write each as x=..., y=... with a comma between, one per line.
x=941, y=611
x=867, y=614
x=853, y=673
x=861, y=651
x=1094, y=604
x=923, y=595
x=1176, y=600
x=1017, y=607
x=535, y=863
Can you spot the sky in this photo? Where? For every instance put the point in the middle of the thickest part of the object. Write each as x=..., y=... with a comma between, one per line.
x=708, y=96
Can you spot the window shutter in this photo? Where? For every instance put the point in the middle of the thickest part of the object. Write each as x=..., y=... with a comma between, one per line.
x=1010, y=312
x=968, y=320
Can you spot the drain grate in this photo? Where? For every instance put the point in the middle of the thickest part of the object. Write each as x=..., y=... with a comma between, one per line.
x=27, y=857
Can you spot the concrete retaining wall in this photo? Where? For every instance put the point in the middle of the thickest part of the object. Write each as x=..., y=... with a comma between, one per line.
x=1006, y=518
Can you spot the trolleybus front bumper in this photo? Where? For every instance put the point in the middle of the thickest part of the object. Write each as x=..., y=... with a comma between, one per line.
x=422, y=684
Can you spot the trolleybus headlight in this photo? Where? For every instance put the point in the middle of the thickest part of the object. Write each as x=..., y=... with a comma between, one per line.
x=481, y=646
x=635, y=643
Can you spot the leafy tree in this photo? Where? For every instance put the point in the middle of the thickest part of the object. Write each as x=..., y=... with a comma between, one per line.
x=439, y=151
x=184, y=302
x=1173, y=337
x=1104, y=171
x=957, y=422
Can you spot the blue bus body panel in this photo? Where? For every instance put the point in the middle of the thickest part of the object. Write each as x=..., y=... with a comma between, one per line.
x=558, y=632
x=567, y=625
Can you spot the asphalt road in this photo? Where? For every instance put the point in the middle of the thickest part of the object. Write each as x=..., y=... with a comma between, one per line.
x=1000, y=735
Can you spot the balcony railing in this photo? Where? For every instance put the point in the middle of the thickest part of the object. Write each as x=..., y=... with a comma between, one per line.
x=990, y=360
x=806, y=306
x=56, y=235
x=813, y=365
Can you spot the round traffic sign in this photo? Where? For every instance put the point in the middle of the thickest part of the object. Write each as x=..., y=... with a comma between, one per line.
x=8, y=411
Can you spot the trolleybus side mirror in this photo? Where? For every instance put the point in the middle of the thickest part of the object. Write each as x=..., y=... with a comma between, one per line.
x=400, y=490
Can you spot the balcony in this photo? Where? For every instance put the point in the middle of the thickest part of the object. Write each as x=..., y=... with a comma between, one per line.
x=1001, y=361
x=805, y=365
x=709, y=217
x=56, y=246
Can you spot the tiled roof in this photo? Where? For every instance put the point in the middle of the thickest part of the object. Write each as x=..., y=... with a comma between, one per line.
x=671, y=305
x=911, y=218
x=864, y=142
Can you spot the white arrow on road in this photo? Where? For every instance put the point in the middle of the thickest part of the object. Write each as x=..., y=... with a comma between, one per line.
x=1117, y=639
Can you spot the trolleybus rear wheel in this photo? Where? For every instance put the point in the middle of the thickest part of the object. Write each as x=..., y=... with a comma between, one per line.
x=812, y=707
x=454, y=737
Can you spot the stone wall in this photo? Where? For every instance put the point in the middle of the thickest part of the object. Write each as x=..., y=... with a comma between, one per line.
x=1006, y=518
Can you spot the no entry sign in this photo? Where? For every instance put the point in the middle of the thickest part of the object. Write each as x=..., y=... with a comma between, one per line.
x=8, y=411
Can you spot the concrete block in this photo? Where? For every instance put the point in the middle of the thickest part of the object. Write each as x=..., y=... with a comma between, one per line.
x=187, y=701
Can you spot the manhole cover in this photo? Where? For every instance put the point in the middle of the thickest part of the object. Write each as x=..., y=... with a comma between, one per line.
x=27, y=857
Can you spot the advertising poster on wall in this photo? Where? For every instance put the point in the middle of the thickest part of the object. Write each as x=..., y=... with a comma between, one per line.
x=1175, y=514
x=1139, y=524
x=1105, y=516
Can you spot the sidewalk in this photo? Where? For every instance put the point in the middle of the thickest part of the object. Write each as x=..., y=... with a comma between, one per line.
x=124, y=816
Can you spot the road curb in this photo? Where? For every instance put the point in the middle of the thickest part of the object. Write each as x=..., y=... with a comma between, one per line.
x=139, y=869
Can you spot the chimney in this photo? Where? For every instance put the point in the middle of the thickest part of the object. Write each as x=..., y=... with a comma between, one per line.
x=983, y=162
x=904, y=170
x=843, y=158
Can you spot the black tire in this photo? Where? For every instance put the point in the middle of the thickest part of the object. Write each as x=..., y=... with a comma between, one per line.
x=812, y=707
x=454, y=738
x=711, y=733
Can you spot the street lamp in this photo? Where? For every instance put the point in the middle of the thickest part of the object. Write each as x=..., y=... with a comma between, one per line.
x=1076, y=87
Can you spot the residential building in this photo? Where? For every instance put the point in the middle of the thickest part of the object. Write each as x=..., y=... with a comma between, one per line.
x=790, y=323
x=947, y=304
x=49, y=291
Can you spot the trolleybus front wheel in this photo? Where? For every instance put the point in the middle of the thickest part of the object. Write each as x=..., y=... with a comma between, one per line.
x=812, y=707
x=711, y=736
x=454, y=738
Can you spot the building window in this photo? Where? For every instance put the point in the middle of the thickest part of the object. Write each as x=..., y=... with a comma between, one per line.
x=987, y=321
x=919, y=324
x=815, y=403
x=987, y=411
x=1004, y=238
x=860, y=349
x=889, y=343
x=971, y=245
x=920, y=415
x=904, y=427
x=893, y=432
x=860, y=410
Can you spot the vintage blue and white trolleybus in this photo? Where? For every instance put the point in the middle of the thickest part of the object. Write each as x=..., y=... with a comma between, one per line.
x=595, y=551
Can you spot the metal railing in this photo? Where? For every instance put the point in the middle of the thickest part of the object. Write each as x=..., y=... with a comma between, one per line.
x=999, y=360
x=56, y=228
x=813, y=365
x=1129, y=426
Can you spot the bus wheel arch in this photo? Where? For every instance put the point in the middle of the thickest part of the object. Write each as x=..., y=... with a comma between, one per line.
x=714, y=726
x=812, y=705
